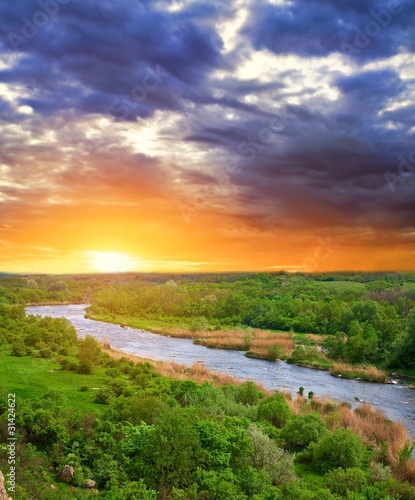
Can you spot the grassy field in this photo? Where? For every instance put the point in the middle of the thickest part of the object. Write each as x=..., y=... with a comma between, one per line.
x=29, y=377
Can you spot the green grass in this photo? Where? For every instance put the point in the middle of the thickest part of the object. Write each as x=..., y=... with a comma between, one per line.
x=405, y=372
x=309, y=476
x=29, y=377
x=148, y=324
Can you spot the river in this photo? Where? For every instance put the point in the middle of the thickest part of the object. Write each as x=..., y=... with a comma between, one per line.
x=396, y=401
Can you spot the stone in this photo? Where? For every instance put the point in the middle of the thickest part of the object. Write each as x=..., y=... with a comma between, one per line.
x=90, y=483
x=66, y=474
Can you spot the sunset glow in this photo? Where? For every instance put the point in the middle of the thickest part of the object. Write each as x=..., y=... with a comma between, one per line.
x=112, y=262
x=224, y=136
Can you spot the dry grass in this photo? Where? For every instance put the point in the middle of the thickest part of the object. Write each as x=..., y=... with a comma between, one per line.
x=197, y=372
x=258, y=342
x=370, y=373
x=376, y=431
x=316, y=338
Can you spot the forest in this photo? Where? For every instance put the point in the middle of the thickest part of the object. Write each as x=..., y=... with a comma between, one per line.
x=359, y=318
x=89, y=425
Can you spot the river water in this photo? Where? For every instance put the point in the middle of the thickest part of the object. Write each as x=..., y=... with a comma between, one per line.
x=396, y=401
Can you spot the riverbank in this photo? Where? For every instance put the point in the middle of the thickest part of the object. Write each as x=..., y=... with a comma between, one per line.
x=259, y=344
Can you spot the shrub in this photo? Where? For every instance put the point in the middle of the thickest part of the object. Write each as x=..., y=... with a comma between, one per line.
x=275, y=410
x=199, y=324
x=341, y=481
x=85, y=367
x=341, y=448
x=248, y=394
x=113, y=372
x=103, y=396
x=379, y=472
x=276, y=462
x=274, y=352
x=19, y=349
x=84, y=388
x=303, y=430
x=45, y=353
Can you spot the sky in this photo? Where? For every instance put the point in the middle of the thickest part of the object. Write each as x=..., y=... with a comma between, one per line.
x=191, y=136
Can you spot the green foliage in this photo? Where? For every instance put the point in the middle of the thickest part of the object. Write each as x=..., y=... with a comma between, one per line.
x=341, y=448
x=342, y=481
x=363, y=315
x=132, y=490
x=303, y=430
x=85, y=367
x=276, y=462
x=274, y=409
x=159, y=438
x=104, y=396
x=173, y=453
x=248, y=394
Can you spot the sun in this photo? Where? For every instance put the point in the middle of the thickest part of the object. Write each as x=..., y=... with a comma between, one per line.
x=112, y=262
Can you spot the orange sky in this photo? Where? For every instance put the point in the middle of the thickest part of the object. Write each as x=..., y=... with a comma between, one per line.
x=157, y=234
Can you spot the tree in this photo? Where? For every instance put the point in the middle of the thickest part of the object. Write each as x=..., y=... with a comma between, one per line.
x=248, y=393
x=303, y=430
x=267, y=456
x=274, y=409
x=408, y=345
x=173, y=453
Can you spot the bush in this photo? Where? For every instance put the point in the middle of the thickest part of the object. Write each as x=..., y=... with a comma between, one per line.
x=199, y=324
x=84, y=388
x=103, y=396
x=303, y=430
x=277, y=463
x=379, y=472
x=45, y=353
x=85, y=367
x=274, y=352
x=341, y=448
x=274, y=409
x=248, y=394
x=19, y=349
x=341, y=481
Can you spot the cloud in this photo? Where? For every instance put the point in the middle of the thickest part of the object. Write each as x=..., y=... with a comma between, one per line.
x=365, y=29
x=248, y=114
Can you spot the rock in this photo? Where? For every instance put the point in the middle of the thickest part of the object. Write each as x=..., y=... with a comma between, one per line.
x=66, y=474
x=3, y=492
x=90, y=483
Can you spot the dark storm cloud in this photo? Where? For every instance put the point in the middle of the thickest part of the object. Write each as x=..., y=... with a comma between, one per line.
x=325, y=160
x=321, y=27
x=126, y=48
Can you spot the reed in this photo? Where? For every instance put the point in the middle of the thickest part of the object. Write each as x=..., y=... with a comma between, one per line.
x=197, y=372
x=369, y=373
x=378, y=432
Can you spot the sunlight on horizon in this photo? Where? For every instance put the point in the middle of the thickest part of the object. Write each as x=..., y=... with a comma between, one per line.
x=113, y=262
